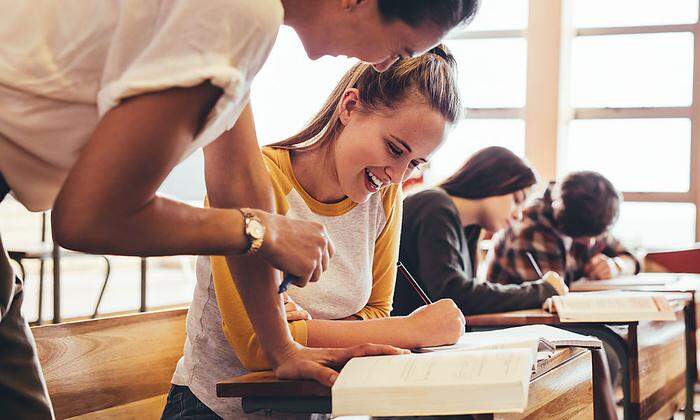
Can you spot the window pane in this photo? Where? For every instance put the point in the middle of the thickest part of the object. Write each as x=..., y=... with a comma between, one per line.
x=606, y=13
x=656, y=225
x=470, y=136
x=491, y=71
x=635, y=154
x=500, y=15
x=291, y=88
x=632, y=70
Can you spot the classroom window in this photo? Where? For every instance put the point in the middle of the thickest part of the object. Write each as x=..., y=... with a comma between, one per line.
x=471, y=135
x=291, y=88
x=627, y=152
x=491, y=71
x=632, y=70
x=628, y=79
x=500, y=15
x=656, y=226
x=607, y=13
x=491, y=55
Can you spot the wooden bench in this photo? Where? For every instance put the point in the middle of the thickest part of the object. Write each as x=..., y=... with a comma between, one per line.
x=118, y=367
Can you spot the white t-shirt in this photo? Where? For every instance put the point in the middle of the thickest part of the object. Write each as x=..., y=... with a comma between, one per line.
x=64, y=64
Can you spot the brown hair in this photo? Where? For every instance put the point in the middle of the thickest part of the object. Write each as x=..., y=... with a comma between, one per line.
x=431, y=75
x=590, y=204
x=446, y=14
x=490, y=172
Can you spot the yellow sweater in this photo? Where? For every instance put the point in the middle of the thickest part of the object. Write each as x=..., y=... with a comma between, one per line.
x=360, y=278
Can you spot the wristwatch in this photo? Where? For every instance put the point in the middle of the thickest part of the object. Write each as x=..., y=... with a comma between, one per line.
x=254, y=231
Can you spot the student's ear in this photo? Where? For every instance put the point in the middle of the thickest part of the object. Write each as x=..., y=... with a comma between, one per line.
x=348, y=105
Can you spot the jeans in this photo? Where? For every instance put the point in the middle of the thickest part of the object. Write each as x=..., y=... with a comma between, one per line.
x=183, y=404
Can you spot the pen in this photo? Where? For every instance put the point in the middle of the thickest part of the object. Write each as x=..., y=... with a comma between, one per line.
x=286, y=281
x=534, y=264
x=413, y=283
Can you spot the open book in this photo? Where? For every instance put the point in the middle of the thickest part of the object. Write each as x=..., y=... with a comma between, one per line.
x=436, y=383
x=612, y=307
x=548, y=338
x=643, y=279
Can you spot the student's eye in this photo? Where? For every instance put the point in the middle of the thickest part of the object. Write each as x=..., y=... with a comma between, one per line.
x=393, y=150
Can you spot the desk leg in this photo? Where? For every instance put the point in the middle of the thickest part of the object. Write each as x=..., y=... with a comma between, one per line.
x=144, y=268
x=622, y=349
x=691, y=369
x=56, y=255
x=631, y=376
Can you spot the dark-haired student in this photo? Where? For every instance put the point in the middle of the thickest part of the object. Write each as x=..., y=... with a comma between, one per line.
x=441, y=229
x=566, y=231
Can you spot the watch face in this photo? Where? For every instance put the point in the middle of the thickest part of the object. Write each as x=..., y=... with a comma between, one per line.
x=256, y=229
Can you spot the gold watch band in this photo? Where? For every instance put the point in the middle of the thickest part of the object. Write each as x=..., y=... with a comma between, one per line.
x=254, y=230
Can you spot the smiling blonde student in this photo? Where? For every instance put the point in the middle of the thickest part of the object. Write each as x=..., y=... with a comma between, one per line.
x=344, y=170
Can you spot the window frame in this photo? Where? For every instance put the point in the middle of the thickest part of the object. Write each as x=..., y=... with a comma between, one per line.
x=550, y=33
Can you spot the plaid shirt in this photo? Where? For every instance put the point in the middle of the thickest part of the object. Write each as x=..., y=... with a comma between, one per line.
x=551, y=249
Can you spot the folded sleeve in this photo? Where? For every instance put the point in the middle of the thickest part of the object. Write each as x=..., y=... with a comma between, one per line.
x=186, y=43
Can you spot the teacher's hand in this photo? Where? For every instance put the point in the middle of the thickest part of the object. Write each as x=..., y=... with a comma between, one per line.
x=297, y=247
x=316, y=363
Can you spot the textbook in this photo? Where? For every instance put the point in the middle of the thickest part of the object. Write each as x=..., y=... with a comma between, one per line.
x=644, y=279
x=548, y=338
x=434, y=383
x=611, y=307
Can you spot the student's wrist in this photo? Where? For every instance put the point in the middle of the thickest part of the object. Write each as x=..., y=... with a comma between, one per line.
x=278, y=354
x=408, y=334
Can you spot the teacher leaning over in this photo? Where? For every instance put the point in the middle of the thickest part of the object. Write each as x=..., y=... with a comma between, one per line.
x=100, y=99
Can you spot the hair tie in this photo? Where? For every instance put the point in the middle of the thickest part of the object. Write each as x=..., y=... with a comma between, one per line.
x=439, y=52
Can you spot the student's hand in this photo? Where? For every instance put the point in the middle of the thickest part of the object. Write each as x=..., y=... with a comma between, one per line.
x=437, y=324
x=316, y=363
x=293, y=310
x=555, y=280
x=549, y=306
x=297, y=247
x=601, y=267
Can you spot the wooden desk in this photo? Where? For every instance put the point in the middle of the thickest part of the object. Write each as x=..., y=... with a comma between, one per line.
x=671, y=283
x=562, y=388
x=654, y=356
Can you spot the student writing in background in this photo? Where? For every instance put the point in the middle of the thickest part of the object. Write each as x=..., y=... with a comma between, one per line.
x=566, y=231
x=344, y=170
x=441, y=230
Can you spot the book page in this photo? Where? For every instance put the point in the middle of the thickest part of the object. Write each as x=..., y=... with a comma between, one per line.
x=612, y=306
x=522, y=337
x=507, y=338
x=438, y=368
x=644, y=279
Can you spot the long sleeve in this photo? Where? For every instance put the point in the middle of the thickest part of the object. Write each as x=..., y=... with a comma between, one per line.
x=509, y=263
x=444, y=268
x=386, y=254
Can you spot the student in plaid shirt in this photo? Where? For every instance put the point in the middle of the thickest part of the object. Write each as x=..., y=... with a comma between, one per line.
x=566, y=231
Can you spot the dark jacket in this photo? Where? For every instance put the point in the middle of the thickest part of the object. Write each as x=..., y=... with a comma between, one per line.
x=436, y=250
